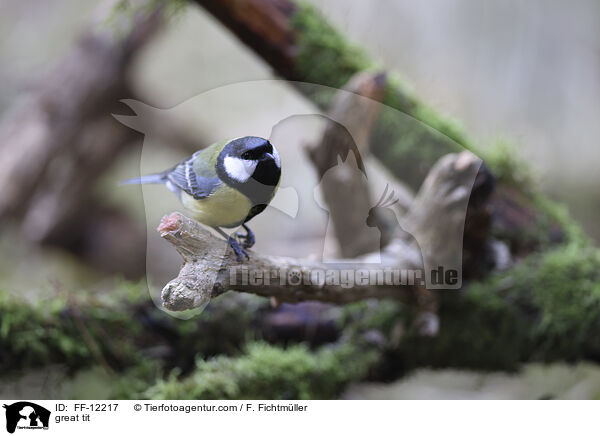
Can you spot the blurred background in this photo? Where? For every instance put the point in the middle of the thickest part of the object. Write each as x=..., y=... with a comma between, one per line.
x=522, y=72
x=527, y=73
x=75, y=320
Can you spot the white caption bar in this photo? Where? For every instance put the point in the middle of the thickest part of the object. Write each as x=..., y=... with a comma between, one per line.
x=264, y=418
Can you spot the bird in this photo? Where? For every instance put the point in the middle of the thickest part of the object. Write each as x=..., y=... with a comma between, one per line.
x=225, y=185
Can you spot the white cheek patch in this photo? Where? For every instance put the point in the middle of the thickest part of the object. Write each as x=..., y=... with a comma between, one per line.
x=239, y=169
x=276, y=157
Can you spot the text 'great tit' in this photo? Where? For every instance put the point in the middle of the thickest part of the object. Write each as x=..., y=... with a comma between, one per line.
x=225, y=185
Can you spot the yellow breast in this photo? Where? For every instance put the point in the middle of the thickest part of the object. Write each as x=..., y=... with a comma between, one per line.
x=226, y=207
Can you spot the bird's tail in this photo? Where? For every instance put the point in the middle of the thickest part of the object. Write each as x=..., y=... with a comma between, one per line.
x=151, y=178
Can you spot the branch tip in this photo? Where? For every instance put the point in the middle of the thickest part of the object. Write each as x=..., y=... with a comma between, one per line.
x=169, y=223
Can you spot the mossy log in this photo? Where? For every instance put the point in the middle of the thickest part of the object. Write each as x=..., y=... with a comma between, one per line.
x=136, y=344
x=545, y=309
x=268, y=372
x=117, y=331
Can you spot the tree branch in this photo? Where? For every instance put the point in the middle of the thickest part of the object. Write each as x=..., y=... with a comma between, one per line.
x=210, y=267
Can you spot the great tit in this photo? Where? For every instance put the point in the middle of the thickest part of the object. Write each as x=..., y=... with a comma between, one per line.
x=225, y=185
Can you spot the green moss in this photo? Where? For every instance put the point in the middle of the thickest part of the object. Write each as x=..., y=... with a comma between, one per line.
x=565, y=285
x=508, y=166
x=121, y=328
x=408, y=146
x=398, y=96
x=546, y=308
x=270, y=372
x=550, y=223
x=128, y=384
x=72, y=332
x=557, y=216
x=324, y=56
x=380, y=315
x=130, y=9
x=223, y=327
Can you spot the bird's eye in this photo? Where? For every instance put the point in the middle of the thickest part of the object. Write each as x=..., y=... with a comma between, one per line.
x=246, y=155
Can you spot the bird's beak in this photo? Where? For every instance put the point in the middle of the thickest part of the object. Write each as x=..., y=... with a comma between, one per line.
x=269, y=156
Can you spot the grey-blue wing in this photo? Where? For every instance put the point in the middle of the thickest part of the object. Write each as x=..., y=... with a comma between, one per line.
x=185, y=178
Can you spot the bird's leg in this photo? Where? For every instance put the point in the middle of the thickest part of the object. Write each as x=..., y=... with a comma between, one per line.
x=239, y=251
x=248, y=238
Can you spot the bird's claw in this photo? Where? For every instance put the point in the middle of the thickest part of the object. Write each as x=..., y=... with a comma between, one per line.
x=248, y=239
x=245, y=241
x=239, y=251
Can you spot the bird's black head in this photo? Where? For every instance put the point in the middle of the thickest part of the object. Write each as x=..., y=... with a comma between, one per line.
x=250, y=164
